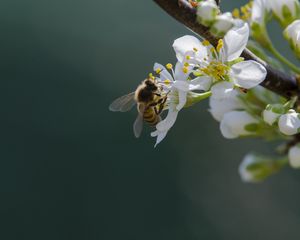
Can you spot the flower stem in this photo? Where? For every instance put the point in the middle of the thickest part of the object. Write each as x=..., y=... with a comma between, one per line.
x=282, y=59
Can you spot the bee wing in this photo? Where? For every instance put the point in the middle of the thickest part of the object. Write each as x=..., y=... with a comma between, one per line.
x=123, y=104
x=138, y=123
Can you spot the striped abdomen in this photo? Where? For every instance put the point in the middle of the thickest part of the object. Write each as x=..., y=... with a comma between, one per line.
x=150, y=116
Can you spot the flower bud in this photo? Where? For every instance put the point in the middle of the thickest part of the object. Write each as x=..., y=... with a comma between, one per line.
x=285, y=11
x=223, y=23
x=238, y=123
x=272, y=113
x=260, y=10
x=294, y=156
x=292, y=34
x=207, y=12
x=289, y=123
x=255, y=168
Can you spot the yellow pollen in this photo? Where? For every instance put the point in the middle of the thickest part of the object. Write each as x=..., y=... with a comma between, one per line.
x=188, y=57
x=217, y=70
x=167, y=81
x=169, y=66
x=186, y=64
x=195, y=49
x=220, y=45
x=244, y=12
x=158, y=70
x=151, y=76
x=236, y=13
x=205, y=43
x=185, y=70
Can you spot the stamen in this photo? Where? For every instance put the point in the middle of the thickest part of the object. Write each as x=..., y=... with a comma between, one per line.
x=188, y=57
x=195, y=49
x=185, y=70
x=220, y=45
x=169, y=66
x=236, y=13
x=158, y=70
x=205, y=43
x=151, y=76
x=186, y=64
x=167, y=81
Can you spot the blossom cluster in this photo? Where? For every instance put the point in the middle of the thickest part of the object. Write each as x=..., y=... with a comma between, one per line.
x=217, y=72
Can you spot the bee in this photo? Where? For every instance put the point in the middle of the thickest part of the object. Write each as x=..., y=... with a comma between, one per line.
x=150, y=101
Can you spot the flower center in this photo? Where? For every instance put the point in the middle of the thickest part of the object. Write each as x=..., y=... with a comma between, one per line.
x=215, y=69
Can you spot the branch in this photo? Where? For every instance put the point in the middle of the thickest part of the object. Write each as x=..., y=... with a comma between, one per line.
x=276, y=81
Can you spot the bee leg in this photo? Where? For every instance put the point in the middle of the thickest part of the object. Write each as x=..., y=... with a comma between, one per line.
x=156, y=110
x=162, y=104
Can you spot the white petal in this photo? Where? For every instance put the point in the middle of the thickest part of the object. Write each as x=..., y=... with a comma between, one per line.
x=248, y=74
x=259, y=9
x=289, y=123
x=222, y=90
x=270, y=117
x=188, y=43
x=168, y=122
x=164, y=74
x=235, y=42
x=294, y=156
x=160, y=136
x=201, y=83
x=233, y=124
x=182, y=100
x=181, y=85
x=179, y=74
x=219, y=107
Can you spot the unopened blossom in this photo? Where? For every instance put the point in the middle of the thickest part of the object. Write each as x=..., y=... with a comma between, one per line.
x=285, y=11
x=259, y=13
x=272, y=113
x=238, y=123
x=222, y=24
x=289, y=123
x=294, y=156
x=292, y=34
x=207, y=12
x=260, y=8
x=255, y=168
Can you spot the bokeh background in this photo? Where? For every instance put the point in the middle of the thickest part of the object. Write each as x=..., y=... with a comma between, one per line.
x=70, y=169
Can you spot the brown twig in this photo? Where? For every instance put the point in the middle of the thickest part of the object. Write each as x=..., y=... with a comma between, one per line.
x=276, y=81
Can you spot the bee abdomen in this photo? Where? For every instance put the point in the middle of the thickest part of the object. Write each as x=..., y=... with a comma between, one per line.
x=151, y=117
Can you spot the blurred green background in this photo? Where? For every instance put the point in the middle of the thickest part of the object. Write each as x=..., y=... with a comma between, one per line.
x=70, y=169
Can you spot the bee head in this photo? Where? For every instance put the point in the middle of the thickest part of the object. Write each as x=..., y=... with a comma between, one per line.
x=150, y=85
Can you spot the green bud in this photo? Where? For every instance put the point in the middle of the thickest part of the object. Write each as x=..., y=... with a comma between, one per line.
x=256, y=168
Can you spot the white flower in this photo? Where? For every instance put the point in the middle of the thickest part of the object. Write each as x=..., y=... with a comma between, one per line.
x=218, y=107
x=292, y=34
x=238, y=123
x=286, y=11
x=179, y=88
x=207, y=12
x=294, y=156
x=272, y=113
x=219, y=63
x=289, y=123
x=223, y=23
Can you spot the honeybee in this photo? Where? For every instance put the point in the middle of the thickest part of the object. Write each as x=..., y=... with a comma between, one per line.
x=150, y=101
